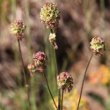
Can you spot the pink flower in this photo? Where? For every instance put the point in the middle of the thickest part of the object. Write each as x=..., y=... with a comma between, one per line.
x=65, y=81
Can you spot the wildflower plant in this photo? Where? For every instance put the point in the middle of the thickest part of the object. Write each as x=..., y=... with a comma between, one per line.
x=50, y=15
x=17, y=28
x=97, y=46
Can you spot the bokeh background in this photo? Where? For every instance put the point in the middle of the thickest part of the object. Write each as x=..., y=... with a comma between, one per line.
x=80, y=21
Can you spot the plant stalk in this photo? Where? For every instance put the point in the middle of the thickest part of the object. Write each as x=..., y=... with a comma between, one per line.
x=84, y=77
x=59, y=99
x=24, y=74
x=49, y=90
x=27, y=86
x=62, y=92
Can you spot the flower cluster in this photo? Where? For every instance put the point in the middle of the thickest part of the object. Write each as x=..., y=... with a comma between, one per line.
x=17, y=28
x=65, y=81
x=49, y=15
x=39, y=63
x=97, y=45
x=101, y=76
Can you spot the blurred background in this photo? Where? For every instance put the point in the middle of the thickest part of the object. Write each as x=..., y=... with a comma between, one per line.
x=80, y=21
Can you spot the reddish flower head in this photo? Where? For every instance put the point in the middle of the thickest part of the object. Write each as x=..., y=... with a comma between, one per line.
x=39, y=60
x=65, y=81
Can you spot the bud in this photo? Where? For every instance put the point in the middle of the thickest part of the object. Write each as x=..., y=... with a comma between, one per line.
x=97, y=45
x=39, y=60
x=49, y=15
x=65, y=81
x=32, y=69
x=52, y=39
x=17, y=28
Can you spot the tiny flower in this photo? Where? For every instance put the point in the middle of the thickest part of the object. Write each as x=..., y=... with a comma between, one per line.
x=65, y=81
x=52, y=39
x=39, y=60
x=32, y=69
x=49, y=15
x=97, y=45
x=17, y=28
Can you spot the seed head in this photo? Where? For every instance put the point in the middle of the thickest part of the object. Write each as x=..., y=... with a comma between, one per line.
x=17, y=28
x=65, y=81
x=49, y=15
x=97, y=45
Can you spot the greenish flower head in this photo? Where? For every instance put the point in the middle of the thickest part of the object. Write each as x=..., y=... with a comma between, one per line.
x=97, y=45
x=49, y=14
x=18, y=28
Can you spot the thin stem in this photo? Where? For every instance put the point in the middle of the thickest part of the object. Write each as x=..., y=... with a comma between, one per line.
x=55, y=60
x=27, y=86
x=82, y=86
x=62, y=92
x=24, y=75
x=59, y=99
x=29, y=93
x=49, y=90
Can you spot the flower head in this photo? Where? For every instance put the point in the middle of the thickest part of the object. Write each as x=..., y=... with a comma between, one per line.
x=18, y=28
x=65, y=81
x=39, y=60
x=38, y=63
x=49, y=15
x=97, y=45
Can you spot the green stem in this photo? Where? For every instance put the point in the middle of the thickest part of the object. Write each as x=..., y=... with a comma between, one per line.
x=49, y=90
x=55, y=59
x=56, y=73
x=82, y=86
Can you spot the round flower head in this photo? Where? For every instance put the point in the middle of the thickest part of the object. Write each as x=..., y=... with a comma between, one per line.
x=65, y=81
x=97, y=45
x=52, y=39
x=17, y=28
x=49, y=14
x=39, y=60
